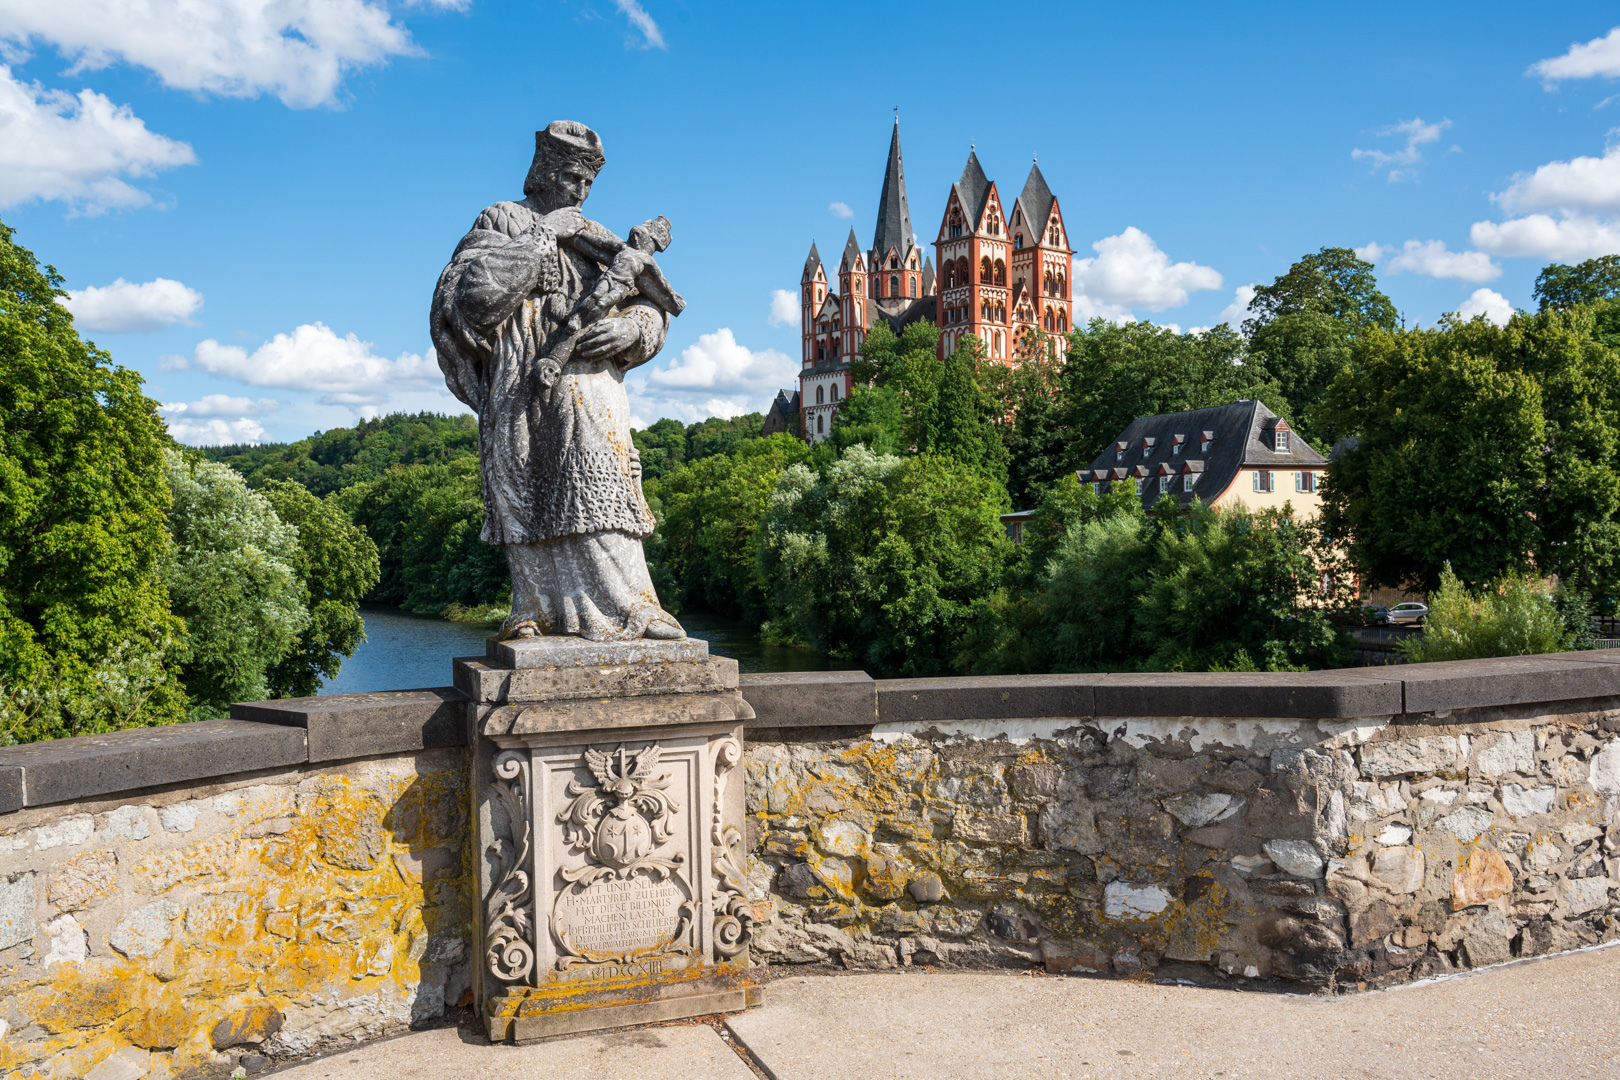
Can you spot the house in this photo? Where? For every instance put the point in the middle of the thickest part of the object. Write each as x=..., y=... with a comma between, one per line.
x=1241, y=454
x=1014, y=524
x=783, y=415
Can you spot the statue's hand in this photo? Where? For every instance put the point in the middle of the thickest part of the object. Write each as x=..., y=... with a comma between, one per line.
x=565, y=223
x=607, y=338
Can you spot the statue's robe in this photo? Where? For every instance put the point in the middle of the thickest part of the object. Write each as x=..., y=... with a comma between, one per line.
x=561, y=478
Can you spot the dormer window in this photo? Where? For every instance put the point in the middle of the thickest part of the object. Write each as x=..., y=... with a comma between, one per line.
x=1147, y=446
x=1164, y=484
x=1188, y=481
x=1119, y=451
x=1279, y=441
x=1140, y=480
x=1203, y=443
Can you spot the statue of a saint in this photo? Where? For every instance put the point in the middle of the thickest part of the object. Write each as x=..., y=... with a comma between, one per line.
x=535, y=321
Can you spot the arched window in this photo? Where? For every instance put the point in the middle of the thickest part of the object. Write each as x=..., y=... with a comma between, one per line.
x=914, y=288
x=1046, y=283
x=999, y=346
x=950, y=275
x=821, y=425
x=984, y=271
x=1063, y=323
x=820, y=396
x=1047, y=321
x=1001, y=272
x=835, y=391
x=1062, y=285
x=1018, y=242
x=894, y=284
x=984, y=311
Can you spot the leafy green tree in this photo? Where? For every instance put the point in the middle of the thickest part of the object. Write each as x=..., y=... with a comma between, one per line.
x=330, y=460
x=338, y=565
x=871, y=415
x=960, y=418
x=880, y=559
x=1116, y=373
x=1514, y=616
x=1305, y=326
x=1559, y=286
x=662, y=447
x=232, y=577
x=709, y=513
x=1032, y=426
x=1086, y=608
x=85, y=627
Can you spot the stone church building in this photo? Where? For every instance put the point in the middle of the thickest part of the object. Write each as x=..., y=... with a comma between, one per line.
x=1004, y=276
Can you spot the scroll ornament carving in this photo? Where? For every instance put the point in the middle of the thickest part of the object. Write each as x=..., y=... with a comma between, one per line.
x=618, y=824
x=733, y=919
x=510, y=942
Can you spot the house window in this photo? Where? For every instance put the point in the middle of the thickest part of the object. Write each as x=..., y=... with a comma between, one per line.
x=914, y=288
x=1140, y=480
x=1097, y=486
x=835, y=391
x=1203, y=445
x=819, y=398
x=1262, y=480
x=894, y=284
x=821, y=423
x=1188, y=481
x=1175, y=449
x=1119, y=455
x=1305, y=481
x=1280, y=439
x=1164, y=484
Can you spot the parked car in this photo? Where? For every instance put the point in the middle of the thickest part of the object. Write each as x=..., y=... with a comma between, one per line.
x=1361, y=615
x=1409, y=612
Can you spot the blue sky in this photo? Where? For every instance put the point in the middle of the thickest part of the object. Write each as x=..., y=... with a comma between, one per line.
x=252, y=206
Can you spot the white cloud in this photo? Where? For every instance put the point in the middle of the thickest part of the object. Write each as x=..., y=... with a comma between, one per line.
x=1402, y=163
x=1489, y=303
x=1431, y=259
x=217, y=432
x=220, y=405
x=127, y=308
x=1570, y=238
x=1372, y=252
x=718, y=361
x=651, y=38
x=314, y=358
x=1600, y=56
x=1583, y=183
x=784, y=307
x=1129, y=271
x=298, y=50
x=77, y=148
x=1234, y=313
x=841, y=209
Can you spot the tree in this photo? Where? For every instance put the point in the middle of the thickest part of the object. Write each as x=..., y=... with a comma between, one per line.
x=709, y=513
x=1515, y=616
x=330, y=460
x=232, y=578
x=880, y=559
x=1559, y=286
x=337, y=563
x=871, y=415
x=1032, y=429
x=959, y=419
x=1305, y=325
x=85, y=627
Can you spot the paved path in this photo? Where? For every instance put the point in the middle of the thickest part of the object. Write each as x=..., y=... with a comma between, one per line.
x=1556, y=1018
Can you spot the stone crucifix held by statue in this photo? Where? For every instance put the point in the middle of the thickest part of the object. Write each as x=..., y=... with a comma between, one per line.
x=536, y=319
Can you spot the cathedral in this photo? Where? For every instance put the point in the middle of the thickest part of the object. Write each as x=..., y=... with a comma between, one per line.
x=1003, y=276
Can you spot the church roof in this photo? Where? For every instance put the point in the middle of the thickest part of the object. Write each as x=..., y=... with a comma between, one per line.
x=1037, y=199
x=928, y=275
x=894, y=215
x=852, y=252
x=972, y=189
x=812, y=263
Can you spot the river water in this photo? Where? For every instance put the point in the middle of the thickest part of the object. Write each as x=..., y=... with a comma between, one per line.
x=407, y=652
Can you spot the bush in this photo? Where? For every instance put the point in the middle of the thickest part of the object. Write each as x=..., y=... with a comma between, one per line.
x=1516, y=616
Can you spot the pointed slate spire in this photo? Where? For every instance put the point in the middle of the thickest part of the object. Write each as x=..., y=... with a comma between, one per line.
x=811, y=263
x=1037, y=199
x=894, y=215
x=852, y=253
x=972, y=189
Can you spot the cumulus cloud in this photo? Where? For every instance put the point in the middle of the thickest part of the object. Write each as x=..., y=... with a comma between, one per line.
x=220, y=405
x=315, y=358
x=1402, y=163
x=1489, y=303
x=1600, y=56
x=127, y=308
x=1568, y=238
x=298, y=50
x=80, y=148
x=840, y=209
x=784, y=307
x=1582, y=183
x=1234, y=313
x=1129, y=271
x=651, y=37
x=720, y=361
x=1432, y=259
x=217, y=432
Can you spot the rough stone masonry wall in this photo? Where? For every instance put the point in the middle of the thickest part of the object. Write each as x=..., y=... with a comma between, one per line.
x=1329, y=854
x=173, y=934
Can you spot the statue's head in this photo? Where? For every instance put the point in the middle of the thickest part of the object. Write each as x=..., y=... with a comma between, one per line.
x=567, y=157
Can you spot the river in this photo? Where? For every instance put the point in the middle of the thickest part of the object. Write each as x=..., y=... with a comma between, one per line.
x=405, y=652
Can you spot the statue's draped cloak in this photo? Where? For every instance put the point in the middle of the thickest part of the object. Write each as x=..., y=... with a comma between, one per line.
x=559, y=469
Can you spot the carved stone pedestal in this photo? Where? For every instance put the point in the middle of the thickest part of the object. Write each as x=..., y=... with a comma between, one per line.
x=610, y=812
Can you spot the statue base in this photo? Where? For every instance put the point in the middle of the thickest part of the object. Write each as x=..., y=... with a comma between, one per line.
x=609, y=797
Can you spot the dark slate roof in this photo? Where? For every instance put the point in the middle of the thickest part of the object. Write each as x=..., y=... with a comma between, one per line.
x=811, y=263
x=928, y=275
x=1037, y=200
x=852, y=251
x=894, y=216
x=973, y=189
x=921, y=308
x=1241, y=438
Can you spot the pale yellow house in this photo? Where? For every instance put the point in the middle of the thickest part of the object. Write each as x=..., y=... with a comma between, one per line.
x=1241, y=454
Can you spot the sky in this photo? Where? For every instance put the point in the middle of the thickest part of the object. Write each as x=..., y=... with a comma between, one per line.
x=250, y=200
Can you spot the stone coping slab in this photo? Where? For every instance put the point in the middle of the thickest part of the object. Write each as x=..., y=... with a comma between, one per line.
x=811, y=698
x=994, y=697
x=566, y=650
x=484, y=681
x=361, y=725
x=604, y=714
x=1304, y=695
x=1449, y=685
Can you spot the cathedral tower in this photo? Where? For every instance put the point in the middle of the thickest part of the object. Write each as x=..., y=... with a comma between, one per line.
x=1041, y=264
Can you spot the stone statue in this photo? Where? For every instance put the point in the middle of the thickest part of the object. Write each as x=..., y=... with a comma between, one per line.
x=535, y=321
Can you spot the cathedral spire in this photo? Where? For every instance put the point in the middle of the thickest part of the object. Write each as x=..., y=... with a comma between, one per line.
x=894, y=216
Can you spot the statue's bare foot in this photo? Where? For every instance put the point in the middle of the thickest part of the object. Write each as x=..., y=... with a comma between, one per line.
x=664, y=631
x=519, y=625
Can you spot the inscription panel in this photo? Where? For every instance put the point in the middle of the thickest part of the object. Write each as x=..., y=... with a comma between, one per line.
x=619, y=921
